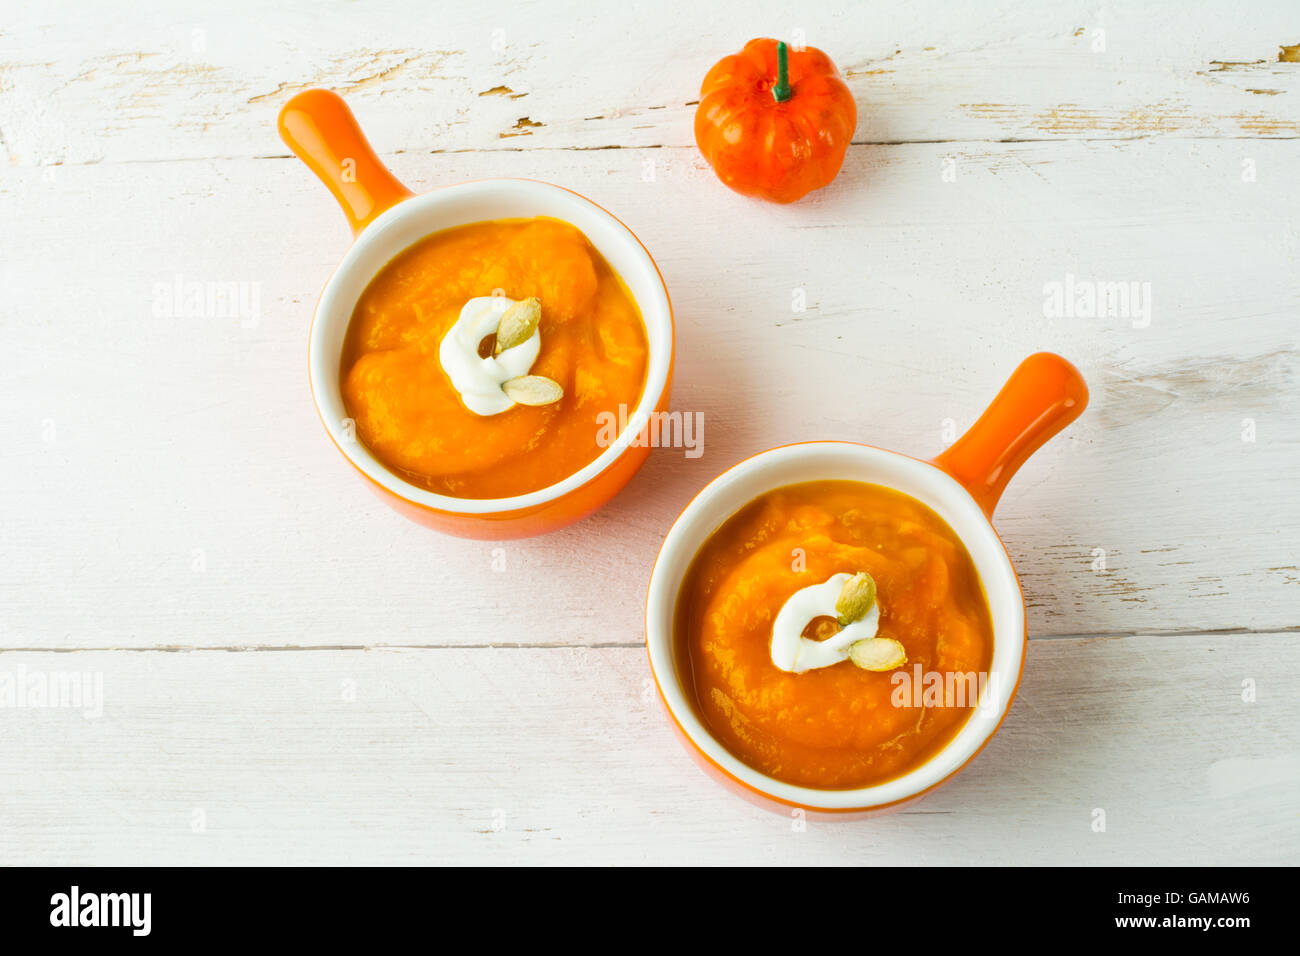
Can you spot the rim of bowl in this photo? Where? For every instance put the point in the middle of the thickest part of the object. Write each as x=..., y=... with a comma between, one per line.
x=392, y=230
x=925, y=482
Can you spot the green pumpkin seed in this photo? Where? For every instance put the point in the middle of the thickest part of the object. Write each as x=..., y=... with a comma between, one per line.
x=856, y=598
x=518, y=324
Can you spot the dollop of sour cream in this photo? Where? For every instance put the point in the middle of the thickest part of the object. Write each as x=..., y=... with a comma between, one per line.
x=478, y=380
x=793, y=652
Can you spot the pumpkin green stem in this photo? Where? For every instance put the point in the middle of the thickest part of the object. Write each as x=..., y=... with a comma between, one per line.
x=781, y=90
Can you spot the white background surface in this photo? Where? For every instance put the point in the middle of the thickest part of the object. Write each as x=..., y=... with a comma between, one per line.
x=294, y=673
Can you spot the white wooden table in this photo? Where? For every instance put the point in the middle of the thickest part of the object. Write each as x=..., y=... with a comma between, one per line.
x=293, y=673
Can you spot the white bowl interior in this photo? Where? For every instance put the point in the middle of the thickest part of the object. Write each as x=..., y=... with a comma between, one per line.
x=823, y=461
x=412, y=220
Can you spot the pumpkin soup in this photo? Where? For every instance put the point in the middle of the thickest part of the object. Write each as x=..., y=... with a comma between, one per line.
x=442, y=403
x=804, y=620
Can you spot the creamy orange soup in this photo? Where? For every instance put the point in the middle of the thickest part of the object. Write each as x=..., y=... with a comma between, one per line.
x=593, y=343
x=838, y=726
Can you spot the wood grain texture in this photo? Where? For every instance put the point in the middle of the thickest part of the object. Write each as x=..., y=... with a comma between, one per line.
x=177, y=81
x=533, y=755
x=166, y=484
x=184, y=441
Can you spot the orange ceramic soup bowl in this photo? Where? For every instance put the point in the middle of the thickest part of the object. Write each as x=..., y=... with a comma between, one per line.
x=387, y=219
x=961, y=486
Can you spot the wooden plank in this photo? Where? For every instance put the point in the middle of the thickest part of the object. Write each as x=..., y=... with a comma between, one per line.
x=176, y=82
x=564, y=755
x=167, y=482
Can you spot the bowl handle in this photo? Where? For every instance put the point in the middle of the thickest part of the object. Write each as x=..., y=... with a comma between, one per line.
x=1043, y=395
x=320, y=129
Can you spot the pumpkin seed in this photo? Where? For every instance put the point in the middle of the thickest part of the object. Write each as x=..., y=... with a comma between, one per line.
x=518, y=324
x=856, y=598
x=533, y=390
x=878, y=654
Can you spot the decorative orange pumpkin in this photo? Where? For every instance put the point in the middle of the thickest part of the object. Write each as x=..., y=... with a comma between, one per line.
x=775, y=122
